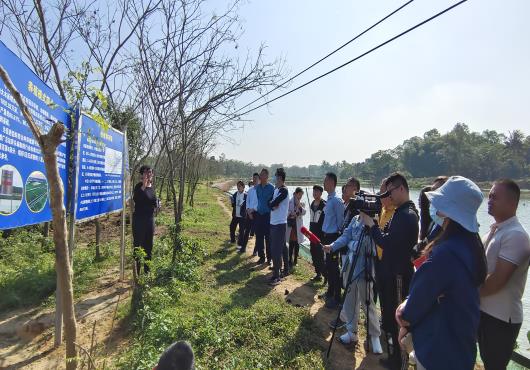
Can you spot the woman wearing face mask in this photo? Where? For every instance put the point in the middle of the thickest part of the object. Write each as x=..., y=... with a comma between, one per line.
x=431, y=224
x=143, y=222
x=442, y=310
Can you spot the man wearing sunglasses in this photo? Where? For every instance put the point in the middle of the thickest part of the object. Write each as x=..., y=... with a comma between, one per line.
x=397, y=239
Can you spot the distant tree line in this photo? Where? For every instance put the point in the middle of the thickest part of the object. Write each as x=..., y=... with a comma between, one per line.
x=481, y=156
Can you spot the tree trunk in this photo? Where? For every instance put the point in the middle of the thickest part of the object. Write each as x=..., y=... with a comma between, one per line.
x=98, y=239
x=182, y=187
x=50, y=143
x=46, y=229
x=161, y=187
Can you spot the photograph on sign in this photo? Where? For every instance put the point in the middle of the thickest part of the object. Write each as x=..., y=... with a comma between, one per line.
x=11, y=190
x=36, y=191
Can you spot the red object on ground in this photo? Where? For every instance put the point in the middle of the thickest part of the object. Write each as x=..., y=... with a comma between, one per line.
x=312, y=237
x=419, y=261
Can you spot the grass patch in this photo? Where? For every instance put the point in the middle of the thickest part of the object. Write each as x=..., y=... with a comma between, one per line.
x=27, y=268
x=213, y=298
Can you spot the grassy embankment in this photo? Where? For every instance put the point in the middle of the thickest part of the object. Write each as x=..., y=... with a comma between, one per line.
x=215, y=299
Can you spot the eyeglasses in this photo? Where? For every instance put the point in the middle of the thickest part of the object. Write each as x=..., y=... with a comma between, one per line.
x=389, y=191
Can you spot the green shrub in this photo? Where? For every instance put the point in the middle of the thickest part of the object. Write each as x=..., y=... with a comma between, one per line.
x=27, y=268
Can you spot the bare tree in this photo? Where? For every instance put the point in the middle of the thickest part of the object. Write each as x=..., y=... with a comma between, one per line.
x=194, y=82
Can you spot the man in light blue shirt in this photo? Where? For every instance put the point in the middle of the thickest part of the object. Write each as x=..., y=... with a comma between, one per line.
x=360, y=257
x=264, y=193
x=252, y=206
x=333, y=220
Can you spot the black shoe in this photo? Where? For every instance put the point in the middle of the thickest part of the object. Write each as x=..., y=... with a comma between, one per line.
x=241, y=250
x=261, y=261
x=284, y=274
x=254, y=254
x=271, y=268
x=339, y=324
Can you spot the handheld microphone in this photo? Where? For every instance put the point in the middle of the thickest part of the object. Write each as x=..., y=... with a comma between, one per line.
x=419, y=261
x=309, y=235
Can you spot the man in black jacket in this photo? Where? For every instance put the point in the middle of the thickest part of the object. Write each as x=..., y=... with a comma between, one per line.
x=397, y=240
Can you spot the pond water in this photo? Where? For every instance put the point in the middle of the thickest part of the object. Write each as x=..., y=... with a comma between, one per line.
x=484, y=219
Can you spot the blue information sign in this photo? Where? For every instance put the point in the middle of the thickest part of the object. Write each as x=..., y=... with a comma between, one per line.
x=99, y=170
x=24, y=191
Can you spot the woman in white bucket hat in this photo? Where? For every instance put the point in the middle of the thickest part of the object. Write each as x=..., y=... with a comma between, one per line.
x=442, y=310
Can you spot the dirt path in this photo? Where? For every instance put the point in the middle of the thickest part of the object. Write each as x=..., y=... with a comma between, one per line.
x=302, y=294
x=26, y=337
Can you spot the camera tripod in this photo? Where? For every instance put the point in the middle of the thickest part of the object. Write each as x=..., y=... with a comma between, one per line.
x=368, y=253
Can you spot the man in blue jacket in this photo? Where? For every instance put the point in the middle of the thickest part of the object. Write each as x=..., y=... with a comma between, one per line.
x=264, y=193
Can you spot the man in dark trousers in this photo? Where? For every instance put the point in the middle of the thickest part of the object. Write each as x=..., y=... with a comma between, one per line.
x=262, y=217
x=508, y=255
x=315, y=226
x=397, y=240
x=334, y=211
x=239, y=199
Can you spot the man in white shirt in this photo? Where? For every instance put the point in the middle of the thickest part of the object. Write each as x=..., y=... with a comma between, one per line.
x=508, y=255
x=279, y=205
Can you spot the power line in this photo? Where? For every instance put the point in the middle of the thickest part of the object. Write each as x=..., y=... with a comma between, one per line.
x=358, y=57
x=328, y=55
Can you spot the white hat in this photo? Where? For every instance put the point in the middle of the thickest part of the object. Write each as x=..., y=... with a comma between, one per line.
x=459, y=199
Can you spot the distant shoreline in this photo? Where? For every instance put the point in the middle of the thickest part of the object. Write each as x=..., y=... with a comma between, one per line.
x=414, y=183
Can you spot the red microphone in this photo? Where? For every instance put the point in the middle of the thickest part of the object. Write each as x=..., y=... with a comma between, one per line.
x=312, y=237
x=419, y=261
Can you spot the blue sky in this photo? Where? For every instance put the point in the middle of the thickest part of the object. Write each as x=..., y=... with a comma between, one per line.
x=470, y=65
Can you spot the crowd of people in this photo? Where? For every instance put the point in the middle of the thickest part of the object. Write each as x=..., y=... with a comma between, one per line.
x=441, y=287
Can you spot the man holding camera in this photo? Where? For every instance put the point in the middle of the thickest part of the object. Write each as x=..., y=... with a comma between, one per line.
x=358, y=276
x=333, y=220
x=397, y=240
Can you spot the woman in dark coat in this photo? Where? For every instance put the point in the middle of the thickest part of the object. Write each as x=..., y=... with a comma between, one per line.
x=143, y=222
x=443, y=308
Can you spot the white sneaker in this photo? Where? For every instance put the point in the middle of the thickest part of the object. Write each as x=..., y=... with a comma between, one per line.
x=348, y=338
x=239, y=247
x=376, y=345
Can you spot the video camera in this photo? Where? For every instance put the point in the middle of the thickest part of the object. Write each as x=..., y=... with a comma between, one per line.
x=367, y=203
